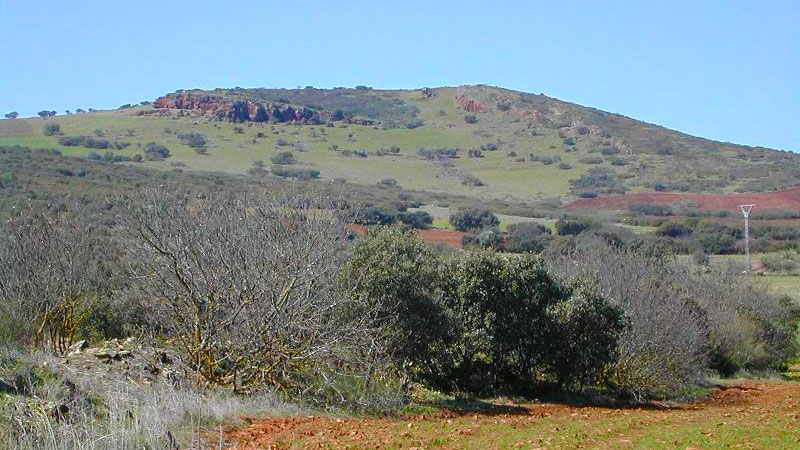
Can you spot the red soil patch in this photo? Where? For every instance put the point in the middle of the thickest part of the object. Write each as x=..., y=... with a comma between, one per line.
x=446, y=237
x=732, y=408
x=781, y=200
x=15, y=128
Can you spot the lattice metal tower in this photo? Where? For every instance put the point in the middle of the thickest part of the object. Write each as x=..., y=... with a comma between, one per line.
x=746, y=213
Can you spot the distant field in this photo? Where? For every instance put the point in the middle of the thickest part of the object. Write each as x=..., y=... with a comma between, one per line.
x=779, y=284
x=784, y=284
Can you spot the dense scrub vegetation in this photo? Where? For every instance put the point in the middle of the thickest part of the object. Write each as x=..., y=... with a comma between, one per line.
x=474, y=321
x=257, y=292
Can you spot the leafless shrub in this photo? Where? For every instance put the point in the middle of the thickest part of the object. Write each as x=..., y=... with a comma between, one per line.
x=683, y=323
x=53, y=267
x=663, y=349
x=246, y=285
x=749, y=328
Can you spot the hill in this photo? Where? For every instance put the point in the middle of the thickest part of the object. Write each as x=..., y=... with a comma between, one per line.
x=477, y=141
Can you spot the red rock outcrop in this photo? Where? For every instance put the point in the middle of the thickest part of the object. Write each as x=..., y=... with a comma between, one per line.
x=223, y=108
x=469, y=104
x=201, y=102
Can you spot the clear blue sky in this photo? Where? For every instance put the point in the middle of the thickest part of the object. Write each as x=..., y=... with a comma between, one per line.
x=726, y=70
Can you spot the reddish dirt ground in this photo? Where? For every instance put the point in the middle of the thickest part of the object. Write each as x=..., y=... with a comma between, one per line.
x=15, y=128
x=446, y=237
x=745, y=415
x=781, y=200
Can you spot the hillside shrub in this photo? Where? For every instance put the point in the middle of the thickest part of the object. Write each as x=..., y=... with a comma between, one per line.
x=527, y=237
x=438, y=153
x=597, y=177
x=565, y=227
x=283, y=158
x=194, y=140
x=416, y=219
x=673, y=229
x=397, y=277
x=389, y=182
x=716, y=238
x=489, y=238
x=617, y=161
x=84, y=141
x=471, y=180
x=473, y=218
x=514, y=323
x=416, y=123
x=153, y=151
x=51, y=129
x=300, y=174
x=373, y=215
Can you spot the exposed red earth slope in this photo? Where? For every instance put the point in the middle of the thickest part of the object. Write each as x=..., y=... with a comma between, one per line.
x=446, y=237
x=780, y=200
x=745, y=415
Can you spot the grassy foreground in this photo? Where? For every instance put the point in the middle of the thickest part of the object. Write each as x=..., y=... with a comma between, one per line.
x=749, y=415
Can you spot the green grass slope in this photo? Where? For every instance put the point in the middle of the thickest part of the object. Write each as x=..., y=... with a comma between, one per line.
x=533, y=147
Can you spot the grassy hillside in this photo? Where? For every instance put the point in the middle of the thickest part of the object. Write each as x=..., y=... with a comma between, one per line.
x=532, y=147
x=46, y=176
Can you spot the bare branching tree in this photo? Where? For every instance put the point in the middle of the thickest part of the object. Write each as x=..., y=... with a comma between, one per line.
x=246, y=285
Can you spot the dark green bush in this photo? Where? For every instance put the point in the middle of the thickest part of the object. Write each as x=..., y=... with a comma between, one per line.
x=416, y=123
x=153, y=151
x=300, y=174
x=194, y=140
x=473, y=218
x=515, y=322
x=84, y=141
x=283, y=158
x=566, y=227
x=527, y=237
x=674, y=229
x=373, y=215
x=51, y=129
x=399, y=276
x=416, y=219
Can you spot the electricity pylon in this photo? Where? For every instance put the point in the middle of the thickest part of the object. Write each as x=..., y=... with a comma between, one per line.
x=746, y=213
